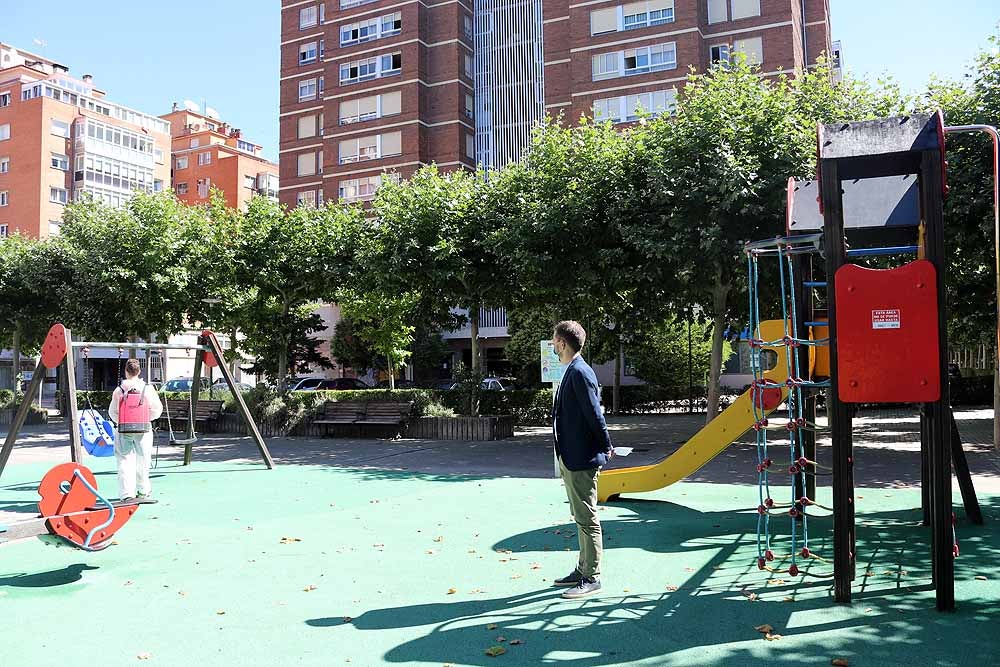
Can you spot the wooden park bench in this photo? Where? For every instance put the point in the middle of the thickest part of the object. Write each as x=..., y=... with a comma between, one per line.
x=208, y=411
x=386, y=414
x=339, y=413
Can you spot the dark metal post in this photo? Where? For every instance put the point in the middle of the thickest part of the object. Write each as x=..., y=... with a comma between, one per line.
x=193, y=406
x=72, y=413
x=690, y=367
x=938, y=426
x=839, y=414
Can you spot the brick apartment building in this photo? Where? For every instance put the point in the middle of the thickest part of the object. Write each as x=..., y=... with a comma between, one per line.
x=376, y=86
x=208, y=153
x=60, y=137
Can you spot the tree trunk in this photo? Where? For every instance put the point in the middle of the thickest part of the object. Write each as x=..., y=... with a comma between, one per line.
x=234, y=363
x=392, y=373
x=15, y=378
x=283, y=352
x=616, y=394
x=719, y=294
x=474, y=394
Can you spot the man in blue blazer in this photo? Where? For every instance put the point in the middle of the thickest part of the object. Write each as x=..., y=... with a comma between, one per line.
x=582, y=445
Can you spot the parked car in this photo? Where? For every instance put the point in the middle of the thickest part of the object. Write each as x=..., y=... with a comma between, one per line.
x=494, y=384
x=184, y=384
x=444, y=385
x=305, y=384
x=400, y=384
x=220, y=385
x=335, y=384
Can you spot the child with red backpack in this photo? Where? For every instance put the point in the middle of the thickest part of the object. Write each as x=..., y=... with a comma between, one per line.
x=134, y=406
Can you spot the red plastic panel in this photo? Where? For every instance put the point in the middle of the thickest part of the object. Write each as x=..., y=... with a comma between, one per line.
x=208, y=358
x=887, y=334
x=54, y=347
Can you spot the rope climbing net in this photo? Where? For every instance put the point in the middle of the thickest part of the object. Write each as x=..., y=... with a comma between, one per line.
x=800, y=507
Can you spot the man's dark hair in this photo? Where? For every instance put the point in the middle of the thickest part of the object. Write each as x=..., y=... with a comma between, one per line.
x=571, y=332
x=132, y=367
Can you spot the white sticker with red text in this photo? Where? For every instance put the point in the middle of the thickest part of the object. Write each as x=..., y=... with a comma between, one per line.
x=885, y=319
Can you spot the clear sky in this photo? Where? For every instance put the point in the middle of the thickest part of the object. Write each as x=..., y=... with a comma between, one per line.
x=225, y=52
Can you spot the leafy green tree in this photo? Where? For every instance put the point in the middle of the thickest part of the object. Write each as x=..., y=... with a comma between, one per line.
x=576, y=243
x=437, y=235
x=275, y=337
x=720, y=170
x=291, y=260
x=349, y=349
x=130, y=267
x=660, y=355
x=381, y=321
x=29, y=287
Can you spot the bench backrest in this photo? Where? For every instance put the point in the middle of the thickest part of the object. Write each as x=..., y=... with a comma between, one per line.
x=388, y=409
x=205, y=408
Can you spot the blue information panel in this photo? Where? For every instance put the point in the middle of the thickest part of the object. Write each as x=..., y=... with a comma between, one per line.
x=552, y=368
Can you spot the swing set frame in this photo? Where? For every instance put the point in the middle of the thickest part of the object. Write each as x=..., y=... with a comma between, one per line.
x=58, y=351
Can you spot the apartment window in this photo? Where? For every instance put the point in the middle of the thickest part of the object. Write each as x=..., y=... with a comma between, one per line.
x=250, y=182
x=470, y=146
x=182, y=188
x=322, y=48
x=307, y=17
x=467, y=25
x=650, y=58
x=391, y=144
x=319, y=198
x=195, y=143
x=4, y=99
x=322, y=12
x=392, y=24
x=359, y=188
x=158, y=155
x=4, y=165
x=469, y=105
x=370, y=68
x=322, y=79
x=468, y=65
x=644, y=14
x=307, y=127
x=204, y=158
x=719, y=54
x=157, y=185
x=55, y=227
x=391, y=64
x=752, y=48
x=368, y=108
x=4, y=131
x=181, y=163
x=603, y=20
x=59, y=161
x=629, y=107
x=3, y=228
x=307, y=90
x=58, y=195
x=4, y=198
x=60, y=128
x=305, y=198
x=732, y=10
x=390, y=104
x=307, y=53
x=605, y=66
x=204, y=187
x=306, y=164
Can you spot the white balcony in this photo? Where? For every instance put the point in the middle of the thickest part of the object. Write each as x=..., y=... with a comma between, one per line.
x=492, y=324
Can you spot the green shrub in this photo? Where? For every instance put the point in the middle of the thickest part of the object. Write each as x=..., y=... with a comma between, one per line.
x=435, y=409
x=7, y=399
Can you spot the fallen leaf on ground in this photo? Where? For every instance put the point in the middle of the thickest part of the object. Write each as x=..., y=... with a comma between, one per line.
x=182, y=593
x=671, y=588
x=144, y=656
x=764, y=628
x=536, y=566
x=310, y=587
x=430, y=552
x=494, y=651
x=789, y=599
x=776, y=582
x=515, y=642
x=452, y=591
x=348, y=619
x=752, y=597
x=289, y=540
x=840, y=662
x=491, y=626
x=515, y=576
x=501, y=639
x=771, y=637
x=221, y=612
x=439, y=538
x=980, y=577
x=130, y=582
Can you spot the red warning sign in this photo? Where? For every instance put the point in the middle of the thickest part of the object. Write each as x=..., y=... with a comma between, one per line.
x=885, y=319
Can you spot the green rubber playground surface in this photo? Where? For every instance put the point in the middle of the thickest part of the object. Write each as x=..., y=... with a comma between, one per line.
x=307, y=565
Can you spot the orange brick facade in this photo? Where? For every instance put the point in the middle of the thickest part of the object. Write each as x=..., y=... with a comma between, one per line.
x=208, y=154
x=434, y=42
x=46, y=156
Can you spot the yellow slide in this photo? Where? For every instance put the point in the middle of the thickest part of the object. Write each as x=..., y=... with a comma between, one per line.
x=706, y=444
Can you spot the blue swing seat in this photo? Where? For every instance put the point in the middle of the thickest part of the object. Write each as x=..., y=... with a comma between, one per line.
x=97, y=433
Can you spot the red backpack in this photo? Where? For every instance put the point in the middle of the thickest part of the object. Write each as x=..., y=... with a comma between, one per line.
x=133, y=411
